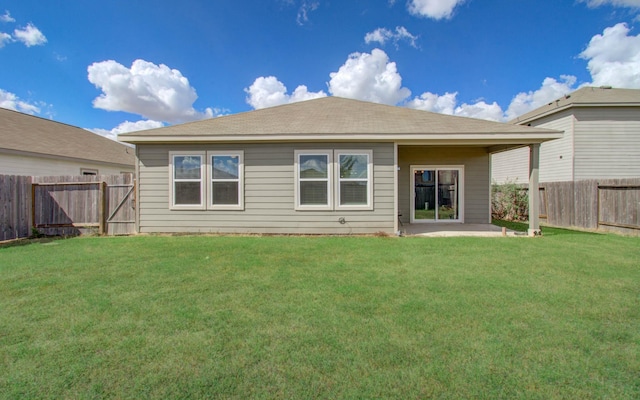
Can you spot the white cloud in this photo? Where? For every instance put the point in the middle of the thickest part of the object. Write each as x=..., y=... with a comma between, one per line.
x=30, y=36
x=5, y=38
x=12, y=102
x=303, y=13
x=447, y=104
x=523, y=102
x=614, y=58
x=615, y=3
x=153, y=91
x=428, y=101
x=269, y=91
x=382, y=35
x=550, y=90
x=481, y=110
x=369, y=77
x=434, y=9
x=6, y=17
x=127, y=127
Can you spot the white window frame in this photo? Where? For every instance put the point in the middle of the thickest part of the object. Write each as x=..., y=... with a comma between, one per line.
x=369, y=179
x=461, y=193
x=329, y=180
x=202, y=180
x=239, y=180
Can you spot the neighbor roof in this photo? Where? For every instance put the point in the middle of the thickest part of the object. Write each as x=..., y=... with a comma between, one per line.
x=588, y=96
x=335, y=118
x=25, y=133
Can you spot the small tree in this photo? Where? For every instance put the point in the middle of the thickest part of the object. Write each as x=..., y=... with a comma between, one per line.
x=509, y=201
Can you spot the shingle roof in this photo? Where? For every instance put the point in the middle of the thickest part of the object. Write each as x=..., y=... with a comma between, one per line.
x=27, y=133
x=585, y=97
x=333, y=116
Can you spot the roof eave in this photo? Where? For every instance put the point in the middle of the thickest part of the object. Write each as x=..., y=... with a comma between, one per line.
x=449, y=138
x=531, y=118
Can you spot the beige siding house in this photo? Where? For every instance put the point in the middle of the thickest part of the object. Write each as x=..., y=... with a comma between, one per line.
x=601, y=140
x=324, y=166
x=36, y=146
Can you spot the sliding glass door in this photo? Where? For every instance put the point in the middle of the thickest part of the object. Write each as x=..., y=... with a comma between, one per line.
x=437, y=194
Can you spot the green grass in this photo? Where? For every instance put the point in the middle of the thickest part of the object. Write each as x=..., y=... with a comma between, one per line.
x=443, y=214
x=556, y=317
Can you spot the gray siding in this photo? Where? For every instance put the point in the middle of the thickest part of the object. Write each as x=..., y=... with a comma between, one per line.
x=598, y=143
x=510, y=166
x=607, y=143
x=476, y=177
x=556, y=156
x=269, y=194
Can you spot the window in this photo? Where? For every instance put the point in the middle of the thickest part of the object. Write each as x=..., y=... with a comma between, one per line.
x=207, y=180
x=316, y=182
x=354, y=185
x=187, y=180
x=226, y=170
x=313, y=179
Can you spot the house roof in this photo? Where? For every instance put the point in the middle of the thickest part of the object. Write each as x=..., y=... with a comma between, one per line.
x=339, y=119
x=604, y=96
x=23, y=133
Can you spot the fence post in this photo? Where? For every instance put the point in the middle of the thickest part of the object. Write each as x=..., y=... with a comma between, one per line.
x=534, y=198
x=101, y=208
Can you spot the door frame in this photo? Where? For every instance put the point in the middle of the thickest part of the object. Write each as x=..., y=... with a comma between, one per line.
x=412, y=189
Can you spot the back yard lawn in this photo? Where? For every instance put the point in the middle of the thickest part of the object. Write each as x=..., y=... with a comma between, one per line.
x=322, y=317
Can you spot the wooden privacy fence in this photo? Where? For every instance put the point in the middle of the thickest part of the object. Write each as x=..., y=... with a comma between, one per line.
x=15, y=207
x=612, y=204
x=69, y=205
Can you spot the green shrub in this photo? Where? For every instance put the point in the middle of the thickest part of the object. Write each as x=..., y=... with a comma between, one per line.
x=509, y=201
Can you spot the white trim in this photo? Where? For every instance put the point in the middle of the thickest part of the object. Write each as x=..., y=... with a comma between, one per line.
x=203, y=175
x=329, y=180
x=460, y=169
x=239, y=180
x=369, y=180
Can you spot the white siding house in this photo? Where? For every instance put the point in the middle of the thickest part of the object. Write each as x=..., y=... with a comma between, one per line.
x=601, y=139
x=35, y=146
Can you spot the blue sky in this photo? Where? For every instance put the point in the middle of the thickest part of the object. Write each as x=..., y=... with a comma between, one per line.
x=117, y=66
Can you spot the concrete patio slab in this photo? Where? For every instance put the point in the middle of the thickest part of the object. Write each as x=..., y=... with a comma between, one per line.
x=448, y=230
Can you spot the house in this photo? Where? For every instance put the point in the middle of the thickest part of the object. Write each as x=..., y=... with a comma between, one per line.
x=36, y=146
x=323, y=166
x=601, y=138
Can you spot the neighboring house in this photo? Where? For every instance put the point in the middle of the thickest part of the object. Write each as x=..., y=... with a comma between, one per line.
x=601, y=140
x=323, y=166
x=36, y=146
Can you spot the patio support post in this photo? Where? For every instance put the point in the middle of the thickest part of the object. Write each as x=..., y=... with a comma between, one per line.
x=534, y=195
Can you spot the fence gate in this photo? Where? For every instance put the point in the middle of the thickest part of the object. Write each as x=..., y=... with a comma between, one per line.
x=76, y=205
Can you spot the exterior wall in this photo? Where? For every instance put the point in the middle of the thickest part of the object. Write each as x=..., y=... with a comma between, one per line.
x=476, y=177
x=269, y=184
x=556, y=156
x=607, y=143
x=14, y=164
x=510, y=166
